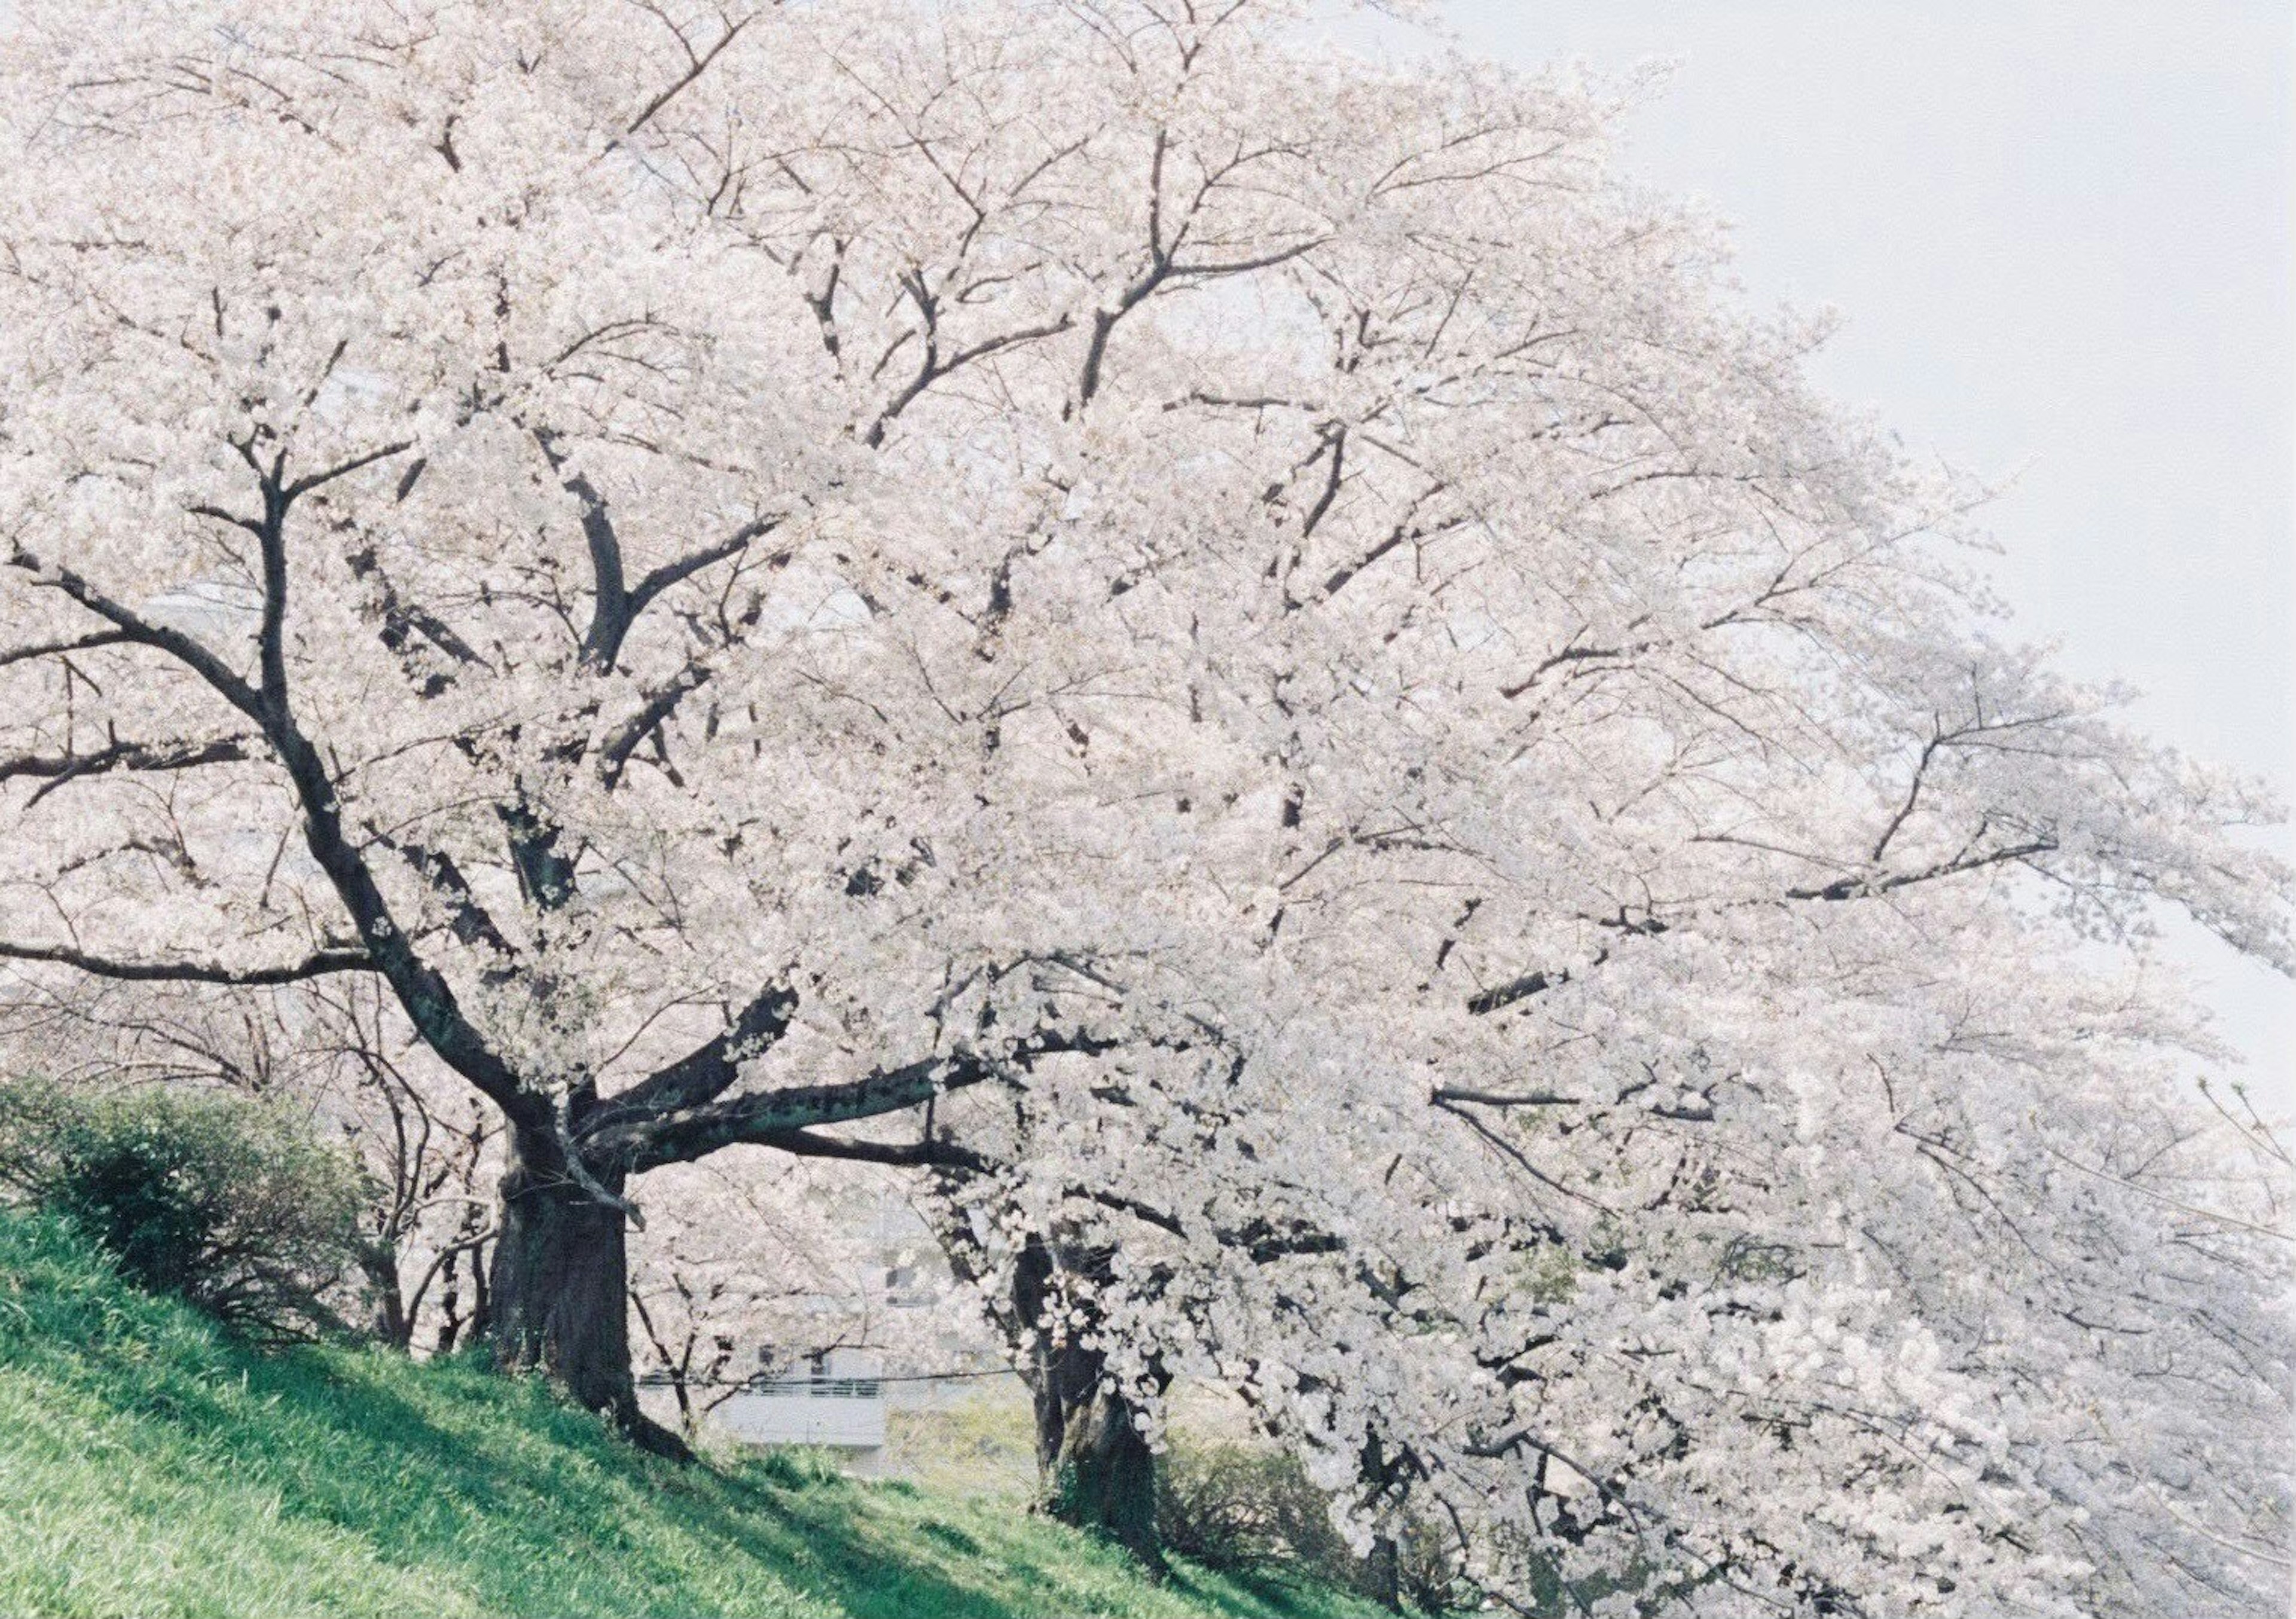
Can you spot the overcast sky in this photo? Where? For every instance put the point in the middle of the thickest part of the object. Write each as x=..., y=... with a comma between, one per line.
x=2059, y=231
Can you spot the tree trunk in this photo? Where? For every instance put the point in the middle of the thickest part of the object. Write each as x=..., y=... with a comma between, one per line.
x=1098, y=1471
x=387, y=1311
x=558, y=1300
x=1102, y=1473
x=1383, y=1573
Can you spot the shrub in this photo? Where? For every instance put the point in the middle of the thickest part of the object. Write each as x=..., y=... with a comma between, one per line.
x=1430, y=1573
x=1228, y=1507
x=799, y=1467
x=232, y=1203
x=1238, y=1507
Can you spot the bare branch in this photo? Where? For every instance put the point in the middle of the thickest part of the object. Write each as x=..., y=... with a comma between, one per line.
x=304, y=485
x=685, y=1136
x=661, y=578
x=614, y=757
x=707, y=1071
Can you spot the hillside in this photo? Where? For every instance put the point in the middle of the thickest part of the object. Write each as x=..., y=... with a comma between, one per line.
x=149, y=1466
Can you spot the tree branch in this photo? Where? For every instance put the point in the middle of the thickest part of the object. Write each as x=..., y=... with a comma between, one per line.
x=134, y=627
x=402, y=621
x=49, y=649
x=700, y=66
x=318, y=964
x=1856, y=887
x=661, y=578
x=1502, y=995
x=471, y=922
x=305, y=484
x=1493, y=1098
x=683, y=1137
x=614, y=757
x=429, y=1002
x=56, y=769
x=927, y=1154
x=705, y=1073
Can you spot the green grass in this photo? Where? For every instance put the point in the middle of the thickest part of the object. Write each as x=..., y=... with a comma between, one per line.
x=149, y=1466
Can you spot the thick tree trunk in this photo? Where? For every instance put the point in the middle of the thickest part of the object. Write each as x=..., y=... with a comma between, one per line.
x=558, y=1300
x=1102, y=1473
x=1098, y=1471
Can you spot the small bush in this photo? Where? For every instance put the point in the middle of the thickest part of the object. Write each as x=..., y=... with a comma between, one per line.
x=231, y=1204
x=799, y=1467
x=1232, y=1507
x=1430, y=1575
x=1238, y=1508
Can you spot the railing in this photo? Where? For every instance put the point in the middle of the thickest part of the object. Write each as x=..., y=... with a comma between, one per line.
x=821, y=1388
x=786, y=1388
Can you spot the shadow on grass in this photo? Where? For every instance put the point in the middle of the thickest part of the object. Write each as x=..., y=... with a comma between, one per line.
x=540, y=1500
x=490, y=1489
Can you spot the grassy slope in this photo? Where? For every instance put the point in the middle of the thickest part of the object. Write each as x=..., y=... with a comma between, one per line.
x=150, y=1466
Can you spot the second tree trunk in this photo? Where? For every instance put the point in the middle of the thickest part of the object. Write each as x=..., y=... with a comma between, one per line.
x=1098, y=1469
x=559, y=1295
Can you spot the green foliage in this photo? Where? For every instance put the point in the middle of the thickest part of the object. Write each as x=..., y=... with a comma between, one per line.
x=152, y=1465
x=231, y=1203
x=1246, y=1507
x=1550, y=1275
x=797, y=1467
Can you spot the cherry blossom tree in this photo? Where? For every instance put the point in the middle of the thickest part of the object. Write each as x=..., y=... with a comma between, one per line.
x=747, y=1267
x=1243, y=652
x=1838, y=1325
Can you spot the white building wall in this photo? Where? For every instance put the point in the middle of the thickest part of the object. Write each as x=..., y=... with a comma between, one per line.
x=846, y=1412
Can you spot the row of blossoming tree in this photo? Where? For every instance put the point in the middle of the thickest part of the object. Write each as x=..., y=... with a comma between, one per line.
x=1238, y=658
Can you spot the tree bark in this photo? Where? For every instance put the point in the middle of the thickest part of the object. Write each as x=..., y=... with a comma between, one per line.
x=387, y=1314
x=558, y=1299
x=1102, y=1473
x=1097, y=1469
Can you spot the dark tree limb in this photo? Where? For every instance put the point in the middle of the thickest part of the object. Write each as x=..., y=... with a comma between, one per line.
x=310, y=481
x=682, y=1137
x=1493, y=1098
x=132, y=626
x=318, y=964
x=423, y=991
x=56, y=769
x=428, y=1001
x=660, y=580
x=1860, y=888
x=701, y=65
x=470, y=921
x=926, y=1154
x=705, y=1073
x=402, y=621
x=50, y=649
x=1500, y=996
x=615, y=756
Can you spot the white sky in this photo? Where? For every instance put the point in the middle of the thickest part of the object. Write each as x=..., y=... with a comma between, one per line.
x=2060, y=232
